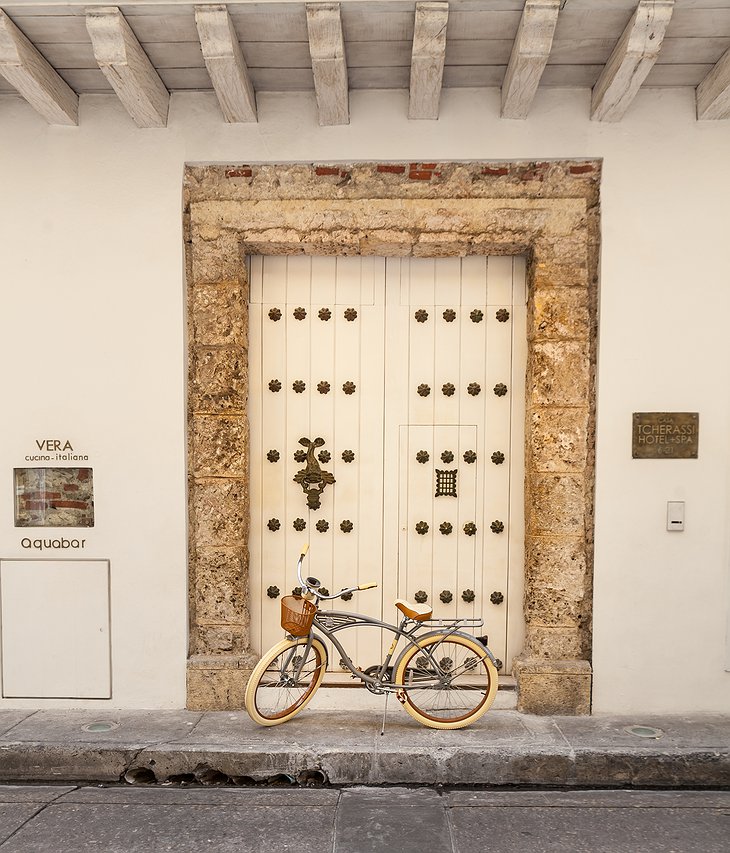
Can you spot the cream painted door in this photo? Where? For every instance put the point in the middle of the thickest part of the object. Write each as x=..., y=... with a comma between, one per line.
x=317, y=371
x=412, y=371
x=456, y=349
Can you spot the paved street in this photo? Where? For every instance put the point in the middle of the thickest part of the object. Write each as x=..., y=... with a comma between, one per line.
x=36, y=819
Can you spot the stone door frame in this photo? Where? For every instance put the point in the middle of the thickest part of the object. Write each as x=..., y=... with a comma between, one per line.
x=548, y=211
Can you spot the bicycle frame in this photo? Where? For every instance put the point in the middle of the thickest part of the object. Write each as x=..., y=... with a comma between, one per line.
x=340, y=620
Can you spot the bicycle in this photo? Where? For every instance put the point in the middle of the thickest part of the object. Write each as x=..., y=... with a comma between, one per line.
x=445, y=678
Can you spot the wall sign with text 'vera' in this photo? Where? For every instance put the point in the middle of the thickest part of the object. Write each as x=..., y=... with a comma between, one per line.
x=665, y=435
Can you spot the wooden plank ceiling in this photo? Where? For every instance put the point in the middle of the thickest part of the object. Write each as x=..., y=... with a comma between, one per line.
x=54, y=51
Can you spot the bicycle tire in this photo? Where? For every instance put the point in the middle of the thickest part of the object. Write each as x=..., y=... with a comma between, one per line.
x=272, y=695
x=457, y=695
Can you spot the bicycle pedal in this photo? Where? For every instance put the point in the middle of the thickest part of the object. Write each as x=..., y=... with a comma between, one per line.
x=400, y=695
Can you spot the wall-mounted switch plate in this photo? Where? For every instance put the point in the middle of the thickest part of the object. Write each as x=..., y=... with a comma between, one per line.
x=675, y=515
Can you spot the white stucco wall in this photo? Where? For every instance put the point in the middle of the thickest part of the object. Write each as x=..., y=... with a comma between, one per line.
x=92, y=349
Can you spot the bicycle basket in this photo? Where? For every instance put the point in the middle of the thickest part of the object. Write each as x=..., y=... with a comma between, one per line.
x=297, y=615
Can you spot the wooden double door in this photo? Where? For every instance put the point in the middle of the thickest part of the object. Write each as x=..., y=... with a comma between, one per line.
x=387, y=430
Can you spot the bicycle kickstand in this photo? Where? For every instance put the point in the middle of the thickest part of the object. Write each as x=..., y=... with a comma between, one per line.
x=385, y=712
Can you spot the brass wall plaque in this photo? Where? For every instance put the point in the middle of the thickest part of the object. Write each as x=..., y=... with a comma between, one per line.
x=665, y=435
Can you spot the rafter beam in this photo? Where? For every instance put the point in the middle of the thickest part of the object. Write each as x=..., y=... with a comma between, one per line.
x=713, y=93
x=529, y=57
x=127, y=67
x=327, y=49
x=29, y=72
x=225, y=63
x=427, y=59
x=632, y=59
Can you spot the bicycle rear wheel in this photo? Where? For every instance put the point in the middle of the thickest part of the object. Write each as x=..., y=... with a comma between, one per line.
x=452, y=681
x=282, y=684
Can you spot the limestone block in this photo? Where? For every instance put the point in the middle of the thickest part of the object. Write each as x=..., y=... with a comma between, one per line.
x=220, y=511
x=556, y=687
x=220, y=315
x=549, y=270
x=553, y=607
x=555, y=504
x=220, y=639
x=216, y=260
x=557, y=439
x=558, y=374
x=220, y=445
x=220, y=586
x=386, y=242
x=218, y=684
x=560, y=313
x=556, y=562
x=554, y=642
x=219, y=380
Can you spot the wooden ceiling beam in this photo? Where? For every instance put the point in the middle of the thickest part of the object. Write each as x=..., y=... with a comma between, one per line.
x=427, y=59
x=225, y=63
x=127, y=67
x=529, y=57
x=632, y=59
x=33, y=77
x=713, y=93
x=327, y=49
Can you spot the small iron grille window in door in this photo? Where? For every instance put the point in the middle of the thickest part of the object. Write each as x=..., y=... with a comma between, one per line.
x=446, y=483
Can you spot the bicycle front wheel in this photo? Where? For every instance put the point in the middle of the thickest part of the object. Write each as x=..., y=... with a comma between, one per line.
x=449, y=679
x=282, y=682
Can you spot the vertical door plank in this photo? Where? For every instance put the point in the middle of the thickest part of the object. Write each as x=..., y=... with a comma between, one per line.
x=515, y=582
x=323, y=408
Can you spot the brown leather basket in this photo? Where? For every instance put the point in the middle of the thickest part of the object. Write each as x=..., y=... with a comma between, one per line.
x=297, y=615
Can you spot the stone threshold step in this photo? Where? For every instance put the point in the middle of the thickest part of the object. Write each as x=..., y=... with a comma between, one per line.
x=355, y=697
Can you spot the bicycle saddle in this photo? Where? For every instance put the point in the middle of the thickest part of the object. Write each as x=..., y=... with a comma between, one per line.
x=419, y=612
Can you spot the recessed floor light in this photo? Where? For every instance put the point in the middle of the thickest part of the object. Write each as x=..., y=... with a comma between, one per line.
x=100, y=726
x=644, y=731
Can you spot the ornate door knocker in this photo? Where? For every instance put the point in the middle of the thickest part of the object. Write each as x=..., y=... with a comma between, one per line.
x=312, y=478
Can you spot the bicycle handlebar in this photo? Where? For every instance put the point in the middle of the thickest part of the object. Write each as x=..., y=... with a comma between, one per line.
x=311, y=585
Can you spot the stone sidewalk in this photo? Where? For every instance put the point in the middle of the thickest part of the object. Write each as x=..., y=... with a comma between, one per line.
x=346, y=748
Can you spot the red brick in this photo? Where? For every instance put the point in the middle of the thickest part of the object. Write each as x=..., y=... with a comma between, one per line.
x=581, y=170
x=242, y=172
x=34, y=504
x=83, y=474
x=391, y=169
x=498, y=171
x=71, y=487
x=69, y=505
x=534, y=172
x=326, y=170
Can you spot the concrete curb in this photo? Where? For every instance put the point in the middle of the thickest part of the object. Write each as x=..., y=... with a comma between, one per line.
x=508, y=749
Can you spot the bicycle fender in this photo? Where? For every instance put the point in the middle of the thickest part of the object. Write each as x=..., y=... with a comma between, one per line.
x=441, y=633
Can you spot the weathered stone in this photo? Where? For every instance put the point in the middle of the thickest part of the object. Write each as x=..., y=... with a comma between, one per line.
x=560, y=313
x=217, y=685
x=219, y=381
x=558, y=373
x=554, y=687
x=221, y=586
x=558, y=439
x=556, y=561
x=382, y=242
x=556, y=504
x=220, y=639
x=549, y=270
x=220, y=315
x=216, y=260
x=220, y=445
x=220, y=511
x=554, y=642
